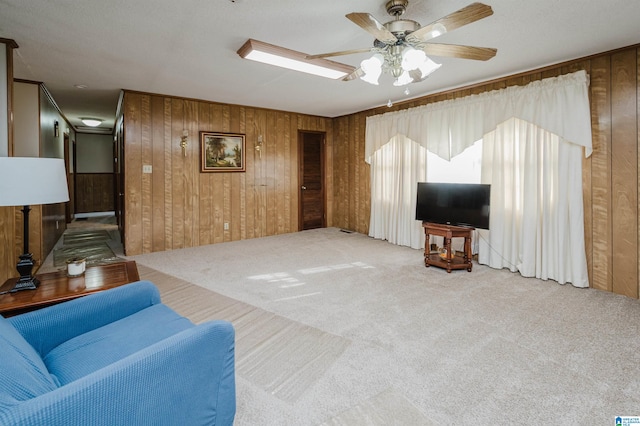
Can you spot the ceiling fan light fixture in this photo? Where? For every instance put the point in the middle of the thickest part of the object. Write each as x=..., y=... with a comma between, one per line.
x=412, y=58
x=290, y=59
x=428, y=66
x=403, y=80
x=372, y=69
x=405, y=64
x=91, y=122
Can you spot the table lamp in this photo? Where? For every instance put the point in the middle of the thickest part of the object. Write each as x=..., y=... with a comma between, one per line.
x=26, y=181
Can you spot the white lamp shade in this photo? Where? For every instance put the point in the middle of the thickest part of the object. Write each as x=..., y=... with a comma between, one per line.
x=32, y=180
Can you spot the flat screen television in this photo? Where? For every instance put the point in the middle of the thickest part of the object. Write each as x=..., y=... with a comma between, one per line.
x=460, y=204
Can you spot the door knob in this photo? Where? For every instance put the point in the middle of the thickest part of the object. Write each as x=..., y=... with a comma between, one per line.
x=303, y=187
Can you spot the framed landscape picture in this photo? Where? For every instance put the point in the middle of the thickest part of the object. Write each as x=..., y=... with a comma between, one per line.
x=221, y=152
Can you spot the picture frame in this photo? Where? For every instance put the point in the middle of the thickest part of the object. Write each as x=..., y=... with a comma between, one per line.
x=222, y=152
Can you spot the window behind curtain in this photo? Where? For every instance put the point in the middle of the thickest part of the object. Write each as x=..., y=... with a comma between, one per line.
x=463, y=168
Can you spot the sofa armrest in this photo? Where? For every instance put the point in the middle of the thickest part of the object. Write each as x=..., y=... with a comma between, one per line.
x=46, y=328
x=188, y=379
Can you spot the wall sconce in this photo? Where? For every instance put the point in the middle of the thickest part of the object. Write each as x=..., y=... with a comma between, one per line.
x=56, y=129
x=183, y=142
x=259, y=146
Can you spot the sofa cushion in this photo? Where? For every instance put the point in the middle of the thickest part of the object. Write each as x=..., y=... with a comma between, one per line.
x=23, y=375
x=103, y=346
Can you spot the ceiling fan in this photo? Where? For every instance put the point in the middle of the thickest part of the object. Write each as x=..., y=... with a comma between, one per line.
x=401, y=46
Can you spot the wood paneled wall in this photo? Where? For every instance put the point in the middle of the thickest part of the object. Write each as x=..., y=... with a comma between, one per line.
x=7, y=214
x=610, y=175
x=176, y=206
x=7, y=239
x=352, y=180
x=53, y=224
x=94, y=192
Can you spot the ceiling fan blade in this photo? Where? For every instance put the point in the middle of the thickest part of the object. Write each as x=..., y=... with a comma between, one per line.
x=340, y=53
x=372, y=26
x=355, y=74
x=458, y=51
x=472, y=13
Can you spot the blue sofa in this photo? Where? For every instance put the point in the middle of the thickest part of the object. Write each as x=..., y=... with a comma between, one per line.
x=119, y=357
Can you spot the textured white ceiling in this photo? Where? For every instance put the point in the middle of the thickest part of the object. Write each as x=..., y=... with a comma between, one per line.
x=188, y=48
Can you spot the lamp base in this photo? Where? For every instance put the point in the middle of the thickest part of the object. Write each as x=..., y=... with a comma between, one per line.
x=26, y=280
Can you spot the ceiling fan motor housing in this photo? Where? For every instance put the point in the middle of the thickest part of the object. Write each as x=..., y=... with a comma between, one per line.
x=402, y=27
x=396, y=7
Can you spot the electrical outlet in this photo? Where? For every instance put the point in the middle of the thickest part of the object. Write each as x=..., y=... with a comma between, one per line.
x=147, y=168
x=226, y=226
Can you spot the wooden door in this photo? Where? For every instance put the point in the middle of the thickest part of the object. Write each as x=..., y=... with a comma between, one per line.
x=311, y=176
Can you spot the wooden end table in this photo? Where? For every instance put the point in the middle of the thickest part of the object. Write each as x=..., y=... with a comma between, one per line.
x=449, y=261
x=56, y=287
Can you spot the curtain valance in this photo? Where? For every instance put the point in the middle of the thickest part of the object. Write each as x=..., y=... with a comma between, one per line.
x=558, y=104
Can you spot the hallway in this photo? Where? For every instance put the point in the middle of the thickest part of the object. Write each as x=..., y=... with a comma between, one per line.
x=95, y=238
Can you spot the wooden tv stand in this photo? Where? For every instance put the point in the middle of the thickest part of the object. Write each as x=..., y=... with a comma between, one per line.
x=449, y=262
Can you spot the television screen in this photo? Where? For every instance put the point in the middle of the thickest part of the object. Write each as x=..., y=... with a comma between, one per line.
x=461, y=204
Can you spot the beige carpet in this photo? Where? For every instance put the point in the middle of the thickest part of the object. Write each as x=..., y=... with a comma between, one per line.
x=281, y=356
x=340, y=329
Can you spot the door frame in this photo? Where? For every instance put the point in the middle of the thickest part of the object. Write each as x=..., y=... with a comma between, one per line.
x=119, y=178
x=70, y=167
x=301, y=134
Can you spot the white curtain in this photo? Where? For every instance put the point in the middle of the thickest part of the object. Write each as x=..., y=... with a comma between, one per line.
x=537, y=224
x=396, y=169
x=559, y=105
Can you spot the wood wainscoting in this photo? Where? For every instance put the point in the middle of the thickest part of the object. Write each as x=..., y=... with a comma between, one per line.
x=610, y=176
x=94, y=192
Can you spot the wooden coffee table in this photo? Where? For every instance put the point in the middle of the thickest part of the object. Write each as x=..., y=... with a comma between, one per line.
x=56, y=287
